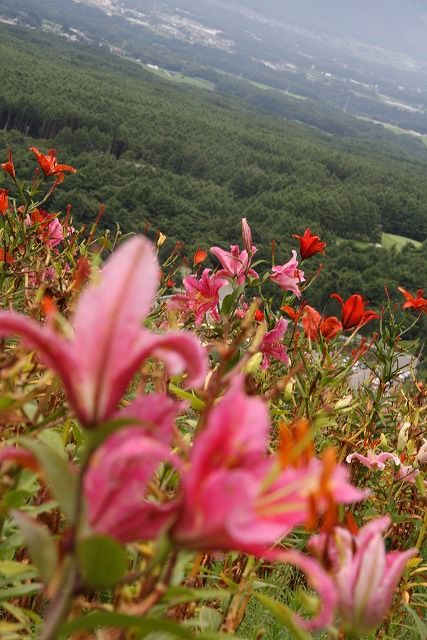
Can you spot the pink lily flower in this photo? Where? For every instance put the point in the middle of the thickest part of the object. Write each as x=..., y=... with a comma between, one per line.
x=288, y=276
x=365, y=576
x=19, y=456
x=54, y=234
x=107, y=342
x=272, y=345
x=373, y=460
x=152, y=413
x=421, y=457
x=116, y=487
x=407, y=473
x=235, y=263
x=201, y=296
x=235, y=496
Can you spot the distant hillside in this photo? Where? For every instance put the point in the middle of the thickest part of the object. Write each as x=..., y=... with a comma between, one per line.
x=168, y=156
x=270, y=45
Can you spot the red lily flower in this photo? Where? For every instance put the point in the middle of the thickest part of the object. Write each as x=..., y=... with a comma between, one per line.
x=294, y=314
x=4, y=201
x=315, y=325
x=49, y=164
x=8, y=166
x=259, y=315
x=353, y=314
x=329, y=327
x=309, y=244
x=199, y=257
x=417, y=302
x=6, y=257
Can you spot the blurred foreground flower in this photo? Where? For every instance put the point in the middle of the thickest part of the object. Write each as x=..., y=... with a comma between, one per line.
x=365, y=575
x=107, y=343
x=233, y=496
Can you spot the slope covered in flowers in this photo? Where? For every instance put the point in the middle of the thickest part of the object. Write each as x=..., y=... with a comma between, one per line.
x=175, y=439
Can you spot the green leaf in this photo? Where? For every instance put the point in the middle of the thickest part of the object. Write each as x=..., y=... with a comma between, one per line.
x=191, y=398
x=179, y=594
x=62, y=482
x=40, y=545
x=230, y=301
x=15, y=499
x=419, y=624
x=21, y=590
x=142, y=625
x=11, y=568
x=209, y=619
x=5, y=403
x=110, y=619
x=53, y=440
x=103, y=561
x=284, y=614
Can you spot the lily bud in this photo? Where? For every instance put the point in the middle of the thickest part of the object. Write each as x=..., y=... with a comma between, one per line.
x=422, y=453
x=403, y=437
x=247, y=236
x=253, y=364
x=160, y=240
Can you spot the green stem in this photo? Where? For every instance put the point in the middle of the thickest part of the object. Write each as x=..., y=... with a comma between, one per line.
x=61, y=604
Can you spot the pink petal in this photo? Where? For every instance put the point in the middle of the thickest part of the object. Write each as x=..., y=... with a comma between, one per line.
x=379, y=606
x=180, y=350
x=107, y=323
x=318, y=579
x=115, y=486
x=154, y=413
x=54, y=351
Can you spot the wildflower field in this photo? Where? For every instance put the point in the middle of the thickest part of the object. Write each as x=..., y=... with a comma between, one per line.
x=189, y=452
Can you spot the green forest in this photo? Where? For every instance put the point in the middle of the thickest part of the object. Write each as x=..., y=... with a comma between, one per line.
x=192, y=162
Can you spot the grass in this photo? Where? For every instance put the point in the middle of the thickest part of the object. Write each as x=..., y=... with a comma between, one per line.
x=200, y=83
x=391, y=240
x=388, y=240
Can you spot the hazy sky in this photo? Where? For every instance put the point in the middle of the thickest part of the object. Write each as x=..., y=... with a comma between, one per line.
x=395, y=24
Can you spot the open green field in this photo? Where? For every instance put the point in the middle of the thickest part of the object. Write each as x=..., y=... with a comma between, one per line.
x=388, y=240
x=391, y=240
x=201, y=83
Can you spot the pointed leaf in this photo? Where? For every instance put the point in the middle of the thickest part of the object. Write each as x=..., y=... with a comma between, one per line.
x=40, y=545
x=62, y=482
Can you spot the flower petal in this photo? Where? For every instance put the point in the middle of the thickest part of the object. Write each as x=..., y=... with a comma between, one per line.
x=54, y=351
x=107, y=325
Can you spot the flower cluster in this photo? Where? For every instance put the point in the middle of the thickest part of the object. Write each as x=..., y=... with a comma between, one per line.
x=163, y=435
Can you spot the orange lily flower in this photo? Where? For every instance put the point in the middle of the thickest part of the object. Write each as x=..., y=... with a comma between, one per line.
x=49, y=164
x=8, y=166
